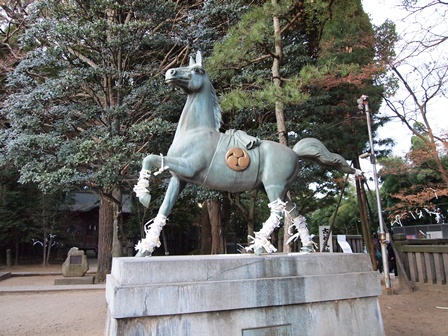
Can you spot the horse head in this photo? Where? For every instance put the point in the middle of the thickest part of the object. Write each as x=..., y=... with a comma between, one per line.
x=193, y=80
x=190, y=78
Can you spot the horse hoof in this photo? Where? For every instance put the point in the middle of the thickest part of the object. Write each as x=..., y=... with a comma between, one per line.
x=143, y=254
x=306, y=249
x=258, y=251
x=145, y=200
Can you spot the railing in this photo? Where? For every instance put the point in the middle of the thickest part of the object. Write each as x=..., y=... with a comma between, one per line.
x=425, y=261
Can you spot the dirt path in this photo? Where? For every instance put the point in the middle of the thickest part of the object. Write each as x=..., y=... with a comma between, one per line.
x=84, y=312
x=419, y=313
x=65, y=313
x=53, y=313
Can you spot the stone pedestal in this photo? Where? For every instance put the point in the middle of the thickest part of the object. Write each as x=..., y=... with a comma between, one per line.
x=248, y=295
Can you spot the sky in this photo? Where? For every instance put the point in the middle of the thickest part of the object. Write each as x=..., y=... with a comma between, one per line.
x=379, y=11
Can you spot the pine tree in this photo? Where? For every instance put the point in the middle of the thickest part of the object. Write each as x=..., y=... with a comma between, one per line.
x=325, y=61
x=86, y=101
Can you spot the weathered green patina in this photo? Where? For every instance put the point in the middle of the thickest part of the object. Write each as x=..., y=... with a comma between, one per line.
x=232, y=161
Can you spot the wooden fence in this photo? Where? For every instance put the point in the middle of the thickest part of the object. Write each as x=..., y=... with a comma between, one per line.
x=425, y=261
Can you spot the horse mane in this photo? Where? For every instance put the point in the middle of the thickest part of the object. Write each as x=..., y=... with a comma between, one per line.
x=217, y=111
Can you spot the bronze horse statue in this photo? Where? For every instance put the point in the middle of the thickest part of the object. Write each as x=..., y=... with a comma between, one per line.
x=231, y=161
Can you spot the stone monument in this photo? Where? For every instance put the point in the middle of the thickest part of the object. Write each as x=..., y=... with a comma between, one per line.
x=74, y=269
x=259, y=294
x=233, y=161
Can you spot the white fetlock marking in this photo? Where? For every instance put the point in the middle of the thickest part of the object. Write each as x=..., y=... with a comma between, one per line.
x=270, y=225
x=277, y=206
x=142, y=186
x=152, y=230
x=261, y=239
x=299, y=223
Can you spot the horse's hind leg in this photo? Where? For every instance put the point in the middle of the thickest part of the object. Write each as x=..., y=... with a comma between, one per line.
x=297, y=221
x=261, y=240
x=279, y=209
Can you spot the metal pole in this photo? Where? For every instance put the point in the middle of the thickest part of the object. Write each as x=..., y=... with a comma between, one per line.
x=382, y=237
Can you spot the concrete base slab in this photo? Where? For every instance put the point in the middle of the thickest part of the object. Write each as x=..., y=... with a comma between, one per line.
x=277, y=294
x=84, y=280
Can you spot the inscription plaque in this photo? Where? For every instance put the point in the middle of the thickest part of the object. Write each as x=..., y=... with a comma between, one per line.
x=280, y=330
x=75, y=260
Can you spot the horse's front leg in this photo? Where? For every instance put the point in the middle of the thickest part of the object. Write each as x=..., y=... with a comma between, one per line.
x=177, y=165
x=154, y=227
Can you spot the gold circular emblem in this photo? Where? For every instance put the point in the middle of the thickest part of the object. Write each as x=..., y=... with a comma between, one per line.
x=237, y=159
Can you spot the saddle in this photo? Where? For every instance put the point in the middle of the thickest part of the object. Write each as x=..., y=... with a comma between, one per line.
x=244, y=139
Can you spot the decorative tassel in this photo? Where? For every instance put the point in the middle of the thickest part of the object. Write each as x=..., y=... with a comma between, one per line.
x=299, y=223
x=147, y=245
x=142, y=186
x=261, y=239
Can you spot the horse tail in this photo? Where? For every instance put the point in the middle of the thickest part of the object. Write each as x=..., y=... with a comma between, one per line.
x=315, y=151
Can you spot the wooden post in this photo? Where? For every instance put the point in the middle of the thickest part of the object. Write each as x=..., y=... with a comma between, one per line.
x=8, y=258
x=402, y=273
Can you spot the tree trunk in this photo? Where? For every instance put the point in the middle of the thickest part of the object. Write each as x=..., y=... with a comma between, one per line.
x=247, y=212
x=276, y=78
x=279, y=112
x=50, y=242
x=214, y=214
x=16, y=246
x=44, y=246
x=225, y=219
x=105, y=239
x=117, y=244
x=206, y=233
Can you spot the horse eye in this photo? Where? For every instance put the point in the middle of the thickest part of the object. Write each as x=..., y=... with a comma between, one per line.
x=199, y=71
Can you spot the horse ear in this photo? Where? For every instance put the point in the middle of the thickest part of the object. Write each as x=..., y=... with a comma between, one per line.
x=199, y=58
x=192, y=62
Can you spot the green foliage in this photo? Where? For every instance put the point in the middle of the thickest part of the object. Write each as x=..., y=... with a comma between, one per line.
x=330, y=57
x=347, y=218
x=86, y=95
x=412, y=184
x=26, y=213
x=14, y=212
x=242, y=60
